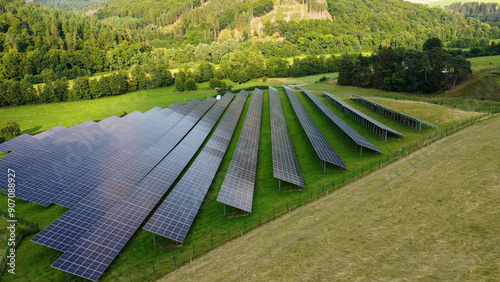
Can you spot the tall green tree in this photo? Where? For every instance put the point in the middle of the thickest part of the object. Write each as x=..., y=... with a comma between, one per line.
x=346, y=70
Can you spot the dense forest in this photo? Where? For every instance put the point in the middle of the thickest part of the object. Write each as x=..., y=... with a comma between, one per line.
x=146, y=38
x=428, y=71
x=67, y=5
x=486, y=12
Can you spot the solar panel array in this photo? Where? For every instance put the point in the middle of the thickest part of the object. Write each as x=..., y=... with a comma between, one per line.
x=62, y=160
x=285, y=166
x=106, y=192
x=174, y=217
x=364, y=118
x=396, y=115
x=95, y=250
x=321, y=146
x=239, y=182
x=349, y=131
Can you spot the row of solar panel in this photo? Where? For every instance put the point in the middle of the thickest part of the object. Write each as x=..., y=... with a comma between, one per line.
x=348, y=130
x=239, y=182
x=404, y=118
x=318, y=141
x=366, y=119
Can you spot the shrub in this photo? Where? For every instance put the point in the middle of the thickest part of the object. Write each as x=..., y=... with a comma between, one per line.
x=9, y=130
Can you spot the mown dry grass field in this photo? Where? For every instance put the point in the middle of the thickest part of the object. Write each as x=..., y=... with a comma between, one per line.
x=431, y=216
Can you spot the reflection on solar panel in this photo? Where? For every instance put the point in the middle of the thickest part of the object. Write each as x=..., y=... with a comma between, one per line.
x=348, y=131
x=237, y=188
x=405, y=119
x=323, y=149
x=174, y=217
x=103, y=192
x=285, y=166
x=80, y=156
x=95, y=250
x=376, y=127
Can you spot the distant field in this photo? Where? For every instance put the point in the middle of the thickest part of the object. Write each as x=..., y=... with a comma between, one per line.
x=479, y=63
x=433, y=216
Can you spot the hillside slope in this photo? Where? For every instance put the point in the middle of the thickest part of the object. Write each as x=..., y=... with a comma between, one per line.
x=416, y=219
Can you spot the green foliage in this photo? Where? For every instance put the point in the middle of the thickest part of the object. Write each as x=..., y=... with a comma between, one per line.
x=179, y=83
x=9, y=129
x=81, y=88
x=216, y=83
x=431, y=44
x=346, y=69
x=486, y=12
x=69, y=5
x=191, y=84
x=406, y=71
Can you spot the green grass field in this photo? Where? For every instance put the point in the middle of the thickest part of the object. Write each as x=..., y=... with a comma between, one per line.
x=484, y=62
x=432, y=216
x=138, y=255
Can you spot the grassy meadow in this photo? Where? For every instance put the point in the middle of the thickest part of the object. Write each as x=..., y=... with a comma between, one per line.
x=138, y=256
x=431, y=216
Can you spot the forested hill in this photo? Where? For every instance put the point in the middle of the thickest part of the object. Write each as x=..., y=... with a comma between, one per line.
x=351, y=25
x=66, y=44
x=67, y=5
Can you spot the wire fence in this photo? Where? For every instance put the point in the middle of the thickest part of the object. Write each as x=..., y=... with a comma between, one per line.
x=183, y=255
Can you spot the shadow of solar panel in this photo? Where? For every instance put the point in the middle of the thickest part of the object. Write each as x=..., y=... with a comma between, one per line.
x=283, y=154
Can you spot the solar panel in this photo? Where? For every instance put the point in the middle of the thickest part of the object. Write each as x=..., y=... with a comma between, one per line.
x=321, y=146
x=377, y=127
x=349, y=131
x=49, y=132
x=95, y=250
x=239, y=182
x=174, y=217
x=285, y=166
x=395, y=115
x=62, y=234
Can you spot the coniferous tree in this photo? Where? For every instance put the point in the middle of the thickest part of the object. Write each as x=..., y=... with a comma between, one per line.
x=346, y=69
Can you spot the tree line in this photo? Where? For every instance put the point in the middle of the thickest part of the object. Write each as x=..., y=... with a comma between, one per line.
x=54, y=90
x=428, y=71
x=238, y=67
